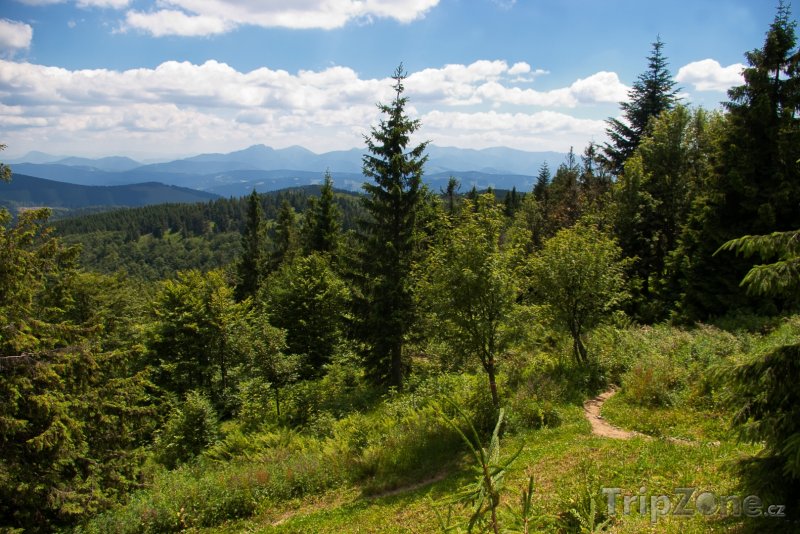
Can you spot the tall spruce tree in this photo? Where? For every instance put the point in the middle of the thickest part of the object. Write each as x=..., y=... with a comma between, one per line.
x=251, y=264
x=321, y=228
x=284, y=237
x=542, y=181
x=653, y=92
x=755, y=188
x=388, y=236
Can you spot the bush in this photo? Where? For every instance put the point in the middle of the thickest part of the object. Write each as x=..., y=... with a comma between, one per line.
x=190, y=428
x=528, y=412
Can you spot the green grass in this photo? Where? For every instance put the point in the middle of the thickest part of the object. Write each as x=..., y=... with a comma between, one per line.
x=679, y=422
x=566, y=462
x=380, y=471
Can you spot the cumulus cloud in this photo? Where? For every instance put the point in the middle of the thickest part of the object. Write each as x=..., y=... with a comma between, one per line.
x=113, y=4
x=542, y=130
x=172, y=22
x=15, y=35
x=709, y=75
x=185, y=107
x=487, y=82
x=208, y=17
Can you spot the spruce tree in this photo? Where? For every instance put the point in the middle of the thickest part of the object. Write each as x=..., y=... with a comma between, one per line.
x=251, y=264
x=388, y=235
x=285, y=236
x=542, y=181
x=653, y=92
x=453, y=185
x=755, y=188
x=321, y=228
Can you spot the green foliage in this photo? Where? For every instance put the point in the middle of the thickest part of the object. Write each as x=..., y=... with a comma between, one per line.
x=285, y=237
x=755, y=189
x=192, y=343
x=472, y=282
x=191, y=428
x=780, y=278
x=321, y=226
x=764, y=394
x=74, y=413
x=653, y=92
x=587, y=513
x=484, y=493
x=251, y=265
x=150, y=258
x=653, y=197
x=579, y=276
x=389, y=237
x=5, y=170
x=261, y=347
x=310, y=301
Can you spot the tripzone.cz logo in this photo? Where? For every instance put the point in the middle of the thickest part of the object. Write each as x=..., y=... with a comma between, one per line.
x=688, y=501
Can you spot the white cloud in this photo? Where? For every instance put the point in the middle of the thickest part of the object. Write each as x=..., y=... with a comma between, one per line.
x=486, y=82
x=172, y=22
x=542, y=130
x=519, y=68
x=208, y=17
x=709, y=75
x=113, y=4
x=188, y=108
x=40, y=2
x=15, y=35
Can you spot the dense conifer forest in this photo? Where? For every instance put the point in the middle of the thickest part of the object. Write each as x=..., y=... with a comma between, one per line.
x=415, y=360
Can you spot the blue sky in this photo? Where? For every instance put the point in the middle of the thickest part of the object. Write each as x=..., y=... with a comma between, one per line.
x=158, y=79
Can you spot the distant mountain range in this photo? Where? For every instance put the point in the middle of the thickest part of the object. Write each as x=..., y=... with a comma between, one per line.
x=267, y=168
x=28, y=191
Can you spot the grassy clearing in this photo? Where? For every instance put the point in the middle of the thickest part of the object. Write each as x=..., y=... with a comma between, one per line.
x=568, y=463
x=380, y=470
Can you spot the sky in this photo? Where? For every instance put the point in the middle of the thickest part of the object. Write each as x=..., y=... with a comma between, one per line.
x=157, y=79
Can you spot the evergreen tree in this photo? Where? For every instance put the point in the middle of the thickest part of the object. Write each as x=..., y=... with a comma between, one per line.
x=285, y=236
x=542, y=181
x=653, y=92
x=389, y=235
x=653, y=199
x=453, y=185
x=5, y=170
x=512, y=202
x=251, y=263
x=563, y=206
x=321, y=228
x=309, y=300
x=755, y=188
x=594, y=179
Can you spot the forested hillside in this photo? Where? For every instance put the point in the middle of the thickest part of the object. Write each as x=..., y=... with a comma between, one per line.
x=155, y=242
x=419, y=360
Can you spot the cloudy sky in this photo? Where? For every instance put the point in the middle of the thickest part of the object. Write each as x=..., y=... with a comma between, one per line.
x=166, y=78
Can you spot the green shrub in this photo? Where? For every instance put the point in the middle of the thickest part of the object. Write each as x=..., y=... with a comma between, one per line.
x=652, y=381
x=526, y=411
x=256, y=404
x=190, y=428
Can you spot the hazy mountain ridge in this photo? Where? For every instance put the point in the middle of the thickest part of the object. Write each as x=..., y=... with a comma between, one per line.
x=234, y=172
x=31, y=191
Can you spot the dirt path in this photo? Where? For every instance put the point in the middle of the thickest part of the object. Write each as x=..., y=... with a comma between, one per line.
x=411, y=487
x=600, y=427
